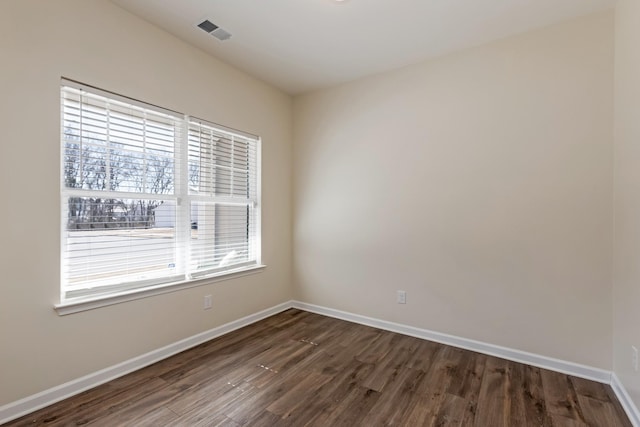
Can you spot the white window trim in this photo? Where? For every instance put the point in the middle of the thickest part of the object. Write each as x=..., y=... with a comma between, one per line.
x=83, y=304
x=188, y=280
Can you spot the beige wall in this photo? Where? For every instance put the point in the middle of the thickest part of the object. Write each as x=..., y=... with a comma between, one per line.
x=100, y=44
x=626, y=288
x=480, y=183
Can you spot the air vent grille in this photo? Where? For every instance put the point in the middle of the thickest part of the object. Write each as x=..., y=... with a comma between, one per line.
x=207, y=25
x=220, y=34
x=211, y=28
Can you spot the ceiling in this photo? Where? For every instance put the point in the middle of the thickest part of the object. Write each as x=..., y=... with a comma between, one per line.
x=302, y=45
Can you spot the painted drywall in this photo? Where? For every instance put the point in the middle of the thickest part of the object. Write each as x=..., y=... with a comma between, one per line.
x=480, y=183
x=626, y=283
x=98, y=43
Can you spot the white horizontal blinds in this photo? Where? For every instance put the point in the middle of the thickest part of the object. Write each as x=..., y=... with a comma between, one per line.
x=109, y=145
x=223, y=189
x=118, y=191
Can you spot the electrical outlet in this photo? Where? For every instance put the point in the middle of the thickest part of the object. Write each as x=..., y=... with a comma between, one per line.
x=401, y=297
x=207, y=302
x=634, y=358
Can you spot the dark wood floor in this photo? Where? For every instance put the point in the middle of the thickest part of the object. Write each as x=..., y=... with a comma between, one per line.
x=299, y=368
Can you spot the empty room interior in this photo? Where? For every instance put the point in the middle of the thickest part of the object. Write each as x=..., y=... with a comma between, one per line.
x=320, y=212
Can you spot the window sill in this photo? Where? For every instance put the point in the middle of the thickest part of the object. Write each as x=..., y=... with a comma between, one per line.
x=76, y=306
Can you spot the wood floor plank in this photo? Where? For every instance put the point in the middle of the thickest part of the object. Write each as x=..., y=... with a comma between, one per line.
x=451, y=412
x=560, y=396
x=430, y=392
x=330, y=395
x=470, y=389
x=527, y=396
x=267, y=419
x=560, y=421
x=297, y=399
x=466, y=375
x=303, y=369
x=215, y=392
x=113, y=403
x=140, y=408
x=599, y=413
x=424, y=355
x=158, y=417
x=357, y=335
x=112, y=394
x=376, y=349
x=288, y=353
x=251, y=404
x=336, y=358
x=238, y=404
x=203, y=416
x=323, y=331
x=532, y=393
x=350, y=410
x=518, y=402
x=494, y=402
x=387, y=368
x=590, y=389
x=395, y=408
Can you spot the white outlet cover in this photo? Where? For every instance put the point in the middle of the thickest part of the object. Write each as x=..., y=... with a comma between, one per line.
x=207, y=302
x=401, y=297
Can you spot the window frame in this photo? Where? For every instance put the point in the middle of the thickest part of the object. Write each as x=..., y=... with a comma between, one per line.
x=184, y=276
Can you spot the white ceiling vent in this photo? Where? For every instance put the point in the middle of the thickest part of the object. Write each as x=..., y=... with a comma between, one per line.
x=214, y=30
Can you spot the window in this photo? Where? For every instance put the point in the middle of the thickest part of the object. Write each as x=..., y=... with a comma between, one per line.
x=151, y=197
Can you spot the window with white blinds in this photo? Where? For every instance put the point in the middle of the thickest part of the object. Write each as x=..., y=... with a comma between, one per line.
x=151, y=197
x=224, y=198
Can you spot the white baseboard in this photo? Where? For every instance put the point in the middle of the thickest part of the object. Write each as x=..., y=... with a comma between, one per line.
x=45, y=398
x=48, y=397
x=625, y=400
x=552, y=364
